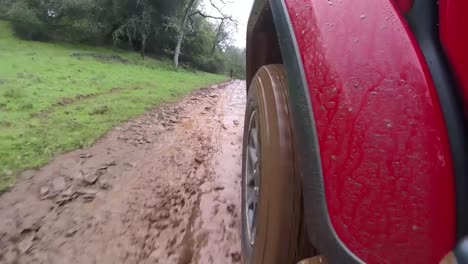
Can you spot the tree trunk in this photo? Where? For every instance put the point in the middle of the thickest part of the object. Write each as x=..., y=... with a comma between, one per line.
x=181, y=33
x=143, y=46
x=217, y=40
x=180, y=36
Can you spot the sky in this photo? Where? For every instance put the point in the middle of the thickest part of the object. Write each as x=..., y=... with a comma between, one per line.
x=240, y=10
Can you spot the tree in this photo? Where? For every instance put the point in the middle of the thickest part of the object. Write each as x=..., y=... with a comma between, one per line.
x=235, y=61
x=137, y=28
x=181, y=29
x=181, y=25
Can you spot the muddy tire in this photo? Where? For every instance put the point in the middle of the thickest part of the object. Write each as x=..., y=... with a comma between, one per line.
x=270, y=190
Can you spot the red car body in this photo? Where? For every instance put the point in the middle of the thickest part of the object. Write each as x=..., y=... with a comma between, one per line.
x=380, y=99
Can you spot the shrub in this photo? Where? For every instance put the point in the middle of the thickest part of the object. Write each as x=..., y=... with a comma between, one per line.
x=26, y=22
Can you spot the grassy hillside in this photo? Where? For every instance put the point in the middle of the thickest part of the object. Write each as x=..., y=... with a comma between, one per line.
x=56, y=98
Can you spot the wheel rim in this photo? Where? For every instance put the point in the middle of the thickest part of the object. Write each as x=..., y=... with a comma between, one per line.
x=252, y=178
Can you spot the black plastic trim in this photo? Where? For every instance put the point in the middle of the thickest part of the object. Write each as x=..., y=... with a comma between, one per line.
x=423, y=20
x=257, y=8
x=461, y=251
x=319, y=227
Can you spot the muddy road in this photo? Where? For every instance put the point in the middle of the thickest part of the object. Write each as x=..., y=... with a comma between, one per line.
x=163, y=188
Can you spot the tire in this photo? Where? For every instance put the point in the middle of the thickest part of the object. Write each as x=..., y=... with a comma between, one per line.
x=270, y=234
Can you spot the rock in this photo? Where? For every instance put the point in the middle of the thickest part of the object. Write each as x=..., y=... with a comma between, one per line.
x=87, y=194
x=26, y=243
x=71, y=231
x=235, y=257
x=213, y=95
x=91, y=178
x=49, y=196
x=88, y=197
x=158, y=216
x=63, y=200
x=110, y=164
x=68, y=192
x=224, y=126
x=235, y=122
x=160, y=225
x=31, y=224
x=86, y=191
x=172, y=242
x=207, y=108
x=103, y=184
x=85, y=155
x=27, y=175
x=122, y=137
x=44, y=191
x=186, y=255
x=231, y=207
x=131, y=164
x=159, y=128
x=59, y=184
x=218, y=188
x=175, y=222
x=199, y=159
x=77, y=176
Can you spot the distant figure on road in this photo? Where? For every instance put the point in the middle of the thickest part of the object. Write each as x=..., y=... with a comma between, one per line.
x=231, y=73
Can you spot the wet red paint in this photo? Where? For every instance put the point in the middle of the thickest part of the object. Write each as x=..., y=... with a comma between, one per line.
x=383, y=143
x=453, y=25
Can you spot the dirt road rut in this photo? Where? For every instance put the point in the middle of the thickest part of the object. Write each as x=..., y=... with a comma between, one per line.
x=163, y=188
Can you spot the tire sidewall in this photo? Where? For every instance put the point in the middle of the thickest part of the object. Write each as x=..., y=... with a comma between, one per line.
x=252, y=105
x=278, y=215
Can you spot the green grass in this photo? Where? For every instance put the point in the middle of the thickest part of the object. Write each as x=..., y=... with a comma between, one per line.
x=58, y=97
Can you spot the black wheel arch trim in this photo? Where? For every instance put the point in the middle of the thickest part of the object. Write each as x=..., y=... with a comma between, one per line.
x=257, y=9
x=461, y=251
x=319, y=227
x=423, y=20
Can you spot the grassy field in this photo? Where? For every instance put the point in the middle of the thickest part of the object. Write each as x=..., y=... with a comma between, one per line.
x=56, y=98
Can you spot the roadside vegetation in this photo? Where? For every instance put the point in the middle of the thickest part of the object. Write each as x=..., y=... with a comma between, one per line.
x=190, y=33
x=59, y=97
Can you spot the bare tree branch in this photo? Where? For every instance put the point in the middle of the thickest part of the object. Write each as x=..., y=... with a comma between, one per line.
x=187, y=21
x=217, y=8
x=198, y=12
x=170, y=23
